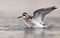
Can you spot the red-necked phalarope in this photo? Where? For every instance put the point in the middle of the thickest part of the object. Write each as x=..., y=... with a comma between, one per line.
x=37, y=19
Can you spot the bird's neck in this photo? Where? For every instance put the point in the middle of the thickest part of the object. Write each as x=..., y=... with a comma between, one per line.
x=26, y=19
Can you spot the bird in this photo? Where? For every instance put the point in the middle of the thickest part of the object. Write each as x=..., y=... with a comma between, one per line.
x=38, y=16
x=37, y=20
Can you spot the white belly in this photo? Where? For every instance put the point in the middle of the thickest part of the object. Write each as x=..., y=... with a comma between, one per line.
x=37, y=24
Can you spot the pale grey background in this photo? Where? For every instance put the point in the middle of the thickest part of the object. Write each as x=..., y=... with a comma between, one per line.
x=11, y=9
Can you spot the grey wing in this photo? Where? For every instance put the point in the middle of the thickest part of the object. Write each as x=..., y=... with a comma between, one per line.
x=40, y=13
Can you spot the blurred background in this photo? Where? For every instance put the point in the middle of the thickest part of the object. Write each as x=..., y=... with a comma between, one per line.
x=11, y=9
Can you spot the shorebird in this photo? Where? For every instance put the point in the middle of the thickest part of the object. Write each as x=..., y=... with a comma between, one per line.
x=38, y=16
x=37, y=20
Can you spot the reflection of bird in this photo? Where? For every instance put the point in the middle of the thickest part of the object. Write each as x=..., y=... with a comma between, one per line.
x=36, y=21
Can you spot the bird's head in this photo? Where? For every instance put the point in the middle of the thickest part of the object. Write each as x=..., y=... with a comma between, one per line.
x=24, y=15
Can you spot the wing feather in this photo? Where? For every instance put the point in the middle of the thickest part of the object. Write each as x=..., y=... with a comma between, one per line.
x=40, y=13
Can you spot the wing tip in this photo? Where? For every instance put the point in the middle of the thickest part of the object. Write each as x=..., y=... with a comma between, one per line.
x=54, y=7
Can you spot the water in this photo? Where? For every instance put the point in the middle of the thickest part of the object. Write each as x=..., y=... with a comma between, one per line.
x=17, y=33
x=11, y=28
